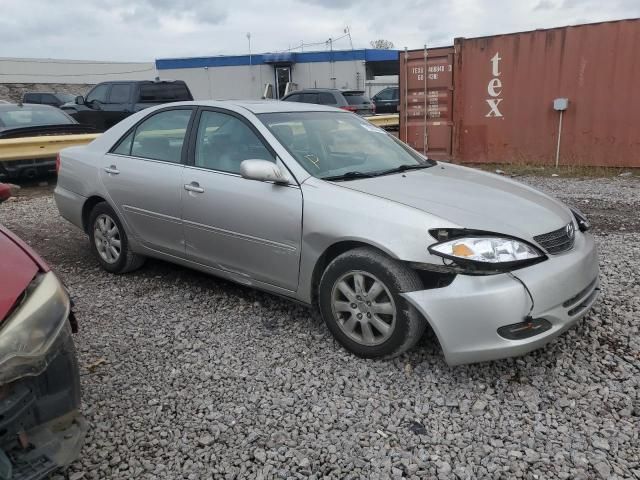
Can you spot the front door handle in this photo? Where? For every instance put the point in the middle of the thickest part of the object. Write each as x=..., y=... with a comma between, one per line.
x=193, y=187
x=112, y=169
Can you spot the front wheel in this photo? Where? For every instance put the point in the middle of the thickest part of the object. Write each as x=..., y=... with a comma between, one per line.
x=361, y=304
x=109, y=241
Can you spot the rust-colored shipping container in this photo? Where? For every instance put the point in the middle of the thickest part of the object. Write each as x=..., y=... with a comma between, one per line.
x=503, y=94
x=426, y=110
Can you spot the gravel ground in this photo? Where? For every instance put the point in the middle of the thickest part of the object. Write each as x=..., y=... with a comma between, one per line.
x=206, y=379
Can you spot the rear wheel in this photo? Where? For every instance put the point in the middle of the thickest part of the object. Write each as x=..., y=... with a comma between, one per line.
x=361, y=304
x=109, y=241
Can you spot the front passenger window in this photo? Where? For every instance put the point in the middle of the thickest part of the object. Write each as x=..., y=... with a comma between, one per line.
x=161, y=136
x=224, y=141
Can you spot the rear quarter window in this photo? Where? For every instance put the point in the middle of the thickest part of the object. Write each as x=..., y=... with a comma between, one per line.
x=326, y=98
x=356, y=98
x=164, y=92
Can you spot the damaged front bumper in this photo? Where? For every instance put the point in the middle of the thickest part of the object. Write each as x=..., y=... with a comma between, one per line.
x=480, y=318
x=40, y=425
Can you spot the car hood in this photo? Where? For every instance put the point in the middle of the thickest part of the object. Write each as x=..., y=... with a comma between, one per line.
x=471, y=199
x=18, y=268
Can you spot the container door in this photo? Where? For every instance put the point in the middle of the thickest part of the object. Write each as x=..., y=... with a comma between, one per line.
x=426, y=101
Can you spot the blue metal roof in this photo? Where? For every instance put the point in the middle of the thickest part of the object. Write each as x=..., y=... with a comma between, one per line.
x=369, y=55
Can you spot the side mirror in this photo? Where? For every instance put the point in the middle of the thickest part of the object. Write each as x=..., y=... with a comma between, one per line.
x=79, y=100
x=263, y=171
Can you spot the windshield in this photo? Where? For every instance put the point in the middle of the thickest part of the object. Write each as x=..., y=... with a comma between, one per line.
x=332, y=144
x=66, y=97
x=30, y=116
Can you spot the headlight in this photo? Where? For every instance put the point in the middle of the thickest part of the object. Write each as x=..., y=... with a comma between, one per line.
x=486, y=250
x=27, y=336
x=583, y=223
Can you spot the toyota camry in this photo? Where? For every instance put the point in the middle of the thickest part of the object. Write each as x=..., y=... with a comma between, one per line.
x=318, y=205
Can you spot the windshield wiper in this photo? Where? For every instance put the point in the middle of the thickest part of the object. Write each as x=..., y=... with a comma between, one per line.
x=404, y=168
x=349, y=176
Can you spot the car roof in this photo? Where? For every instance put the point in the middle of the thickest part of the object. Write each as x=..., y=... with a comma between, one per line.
x=333, y=90
x=260, y=106
x=143, y=82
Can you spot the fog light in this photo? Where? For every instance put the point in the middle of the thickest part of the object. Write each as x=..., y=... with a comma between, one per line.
x=528, y=328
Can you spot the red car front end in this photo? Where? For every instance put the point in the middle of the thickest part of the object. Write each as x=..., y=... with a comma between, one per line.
x=41, y=428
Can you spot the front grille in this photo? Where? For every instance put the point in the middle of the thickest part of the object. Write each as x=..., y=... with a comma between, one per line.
x=557, y=241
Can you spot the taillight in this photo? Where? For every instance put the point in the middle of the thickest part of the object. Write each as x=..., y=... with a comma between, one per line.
x=350, y=108
x=58, y=163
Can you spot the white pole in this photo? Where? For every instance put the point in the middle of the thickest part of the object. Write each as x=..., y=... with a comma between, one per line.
x=249, y=38
x=559, y=136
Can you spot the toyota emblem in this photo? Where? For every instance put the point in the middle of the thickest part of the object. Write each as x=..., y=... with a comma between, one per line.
x=570, y=230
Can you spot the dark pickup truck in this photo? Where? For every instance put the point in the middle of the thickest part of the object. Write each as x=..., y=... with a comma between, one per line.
x=110, y=102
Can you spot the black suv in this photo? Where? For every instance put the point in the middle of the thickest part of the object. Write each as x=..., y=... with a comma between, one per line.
x=47, y=98
x=110, y=102
x=353, y=100
x=387, y=100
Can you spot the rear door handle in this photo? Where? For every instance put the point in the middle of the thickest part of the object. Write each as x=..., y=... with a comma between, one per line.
x=112, y=169
x=193, y=187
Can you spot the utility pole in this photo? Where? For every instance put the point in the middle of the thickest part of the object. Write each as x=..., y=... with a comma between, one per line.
x=249, y=39
x=333, y=76
x=347, y=30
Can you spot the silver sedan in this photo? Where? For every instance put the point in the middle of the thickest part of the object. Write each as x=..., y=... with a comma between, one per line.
x=318, y=205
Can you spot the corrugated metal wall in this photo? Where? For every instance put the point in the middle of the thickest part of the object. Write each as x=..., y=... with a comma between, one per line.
x=504, y=87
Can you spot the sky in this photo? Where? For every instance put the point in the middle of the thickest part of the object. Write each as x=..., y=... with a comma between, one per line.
x=143, y=30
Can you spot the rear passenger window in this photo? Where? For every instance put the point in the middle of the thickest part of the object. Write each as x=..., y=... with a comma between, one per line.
x=309, y=98
x=120, y=93
x=325, y=98
x=161, y=136
x=49, y=99
x=32, y=98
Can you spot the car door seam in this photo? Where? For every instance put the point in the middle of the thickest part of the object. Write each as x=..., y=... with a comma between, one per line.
x=241, y=236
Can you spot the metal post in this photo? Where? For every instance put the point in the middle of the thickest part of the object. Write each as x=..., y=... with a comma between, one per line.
x=559, y=136
x=406, y=95
x=426, y=112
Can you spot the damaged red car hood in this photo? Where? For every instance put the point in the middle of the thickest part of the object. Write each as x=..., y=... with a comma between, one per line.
x=19, y=264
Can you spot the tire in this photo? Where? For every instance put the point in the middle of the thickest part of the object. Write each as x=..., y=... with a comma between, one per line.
x=101, y=221
x=360, y=269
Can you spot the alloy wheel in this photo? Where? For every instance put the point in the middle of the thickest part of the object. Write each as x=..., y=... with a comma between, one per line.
x=107, y=238
x=363, y=308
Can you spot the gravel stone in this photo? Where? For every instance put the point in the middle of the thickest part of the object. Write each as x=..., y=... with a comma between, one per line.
x=203, y=378
x=603, y=470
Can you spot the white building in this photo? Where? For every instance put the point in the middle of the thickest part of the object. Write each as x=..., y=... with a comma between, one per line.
x=50, y=70
x=247, y=76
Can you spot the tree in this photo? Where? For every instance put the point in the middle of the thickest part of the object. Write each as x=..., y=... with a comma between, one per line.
x=381, y=44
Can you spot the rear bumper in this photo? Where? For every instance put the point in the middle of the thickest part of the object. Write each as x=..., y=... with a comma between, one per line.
x=467, y=314
x=69, y=205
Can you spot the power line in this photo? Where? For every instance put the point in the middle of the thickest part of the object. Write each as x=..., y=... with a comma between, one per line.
x=314, y=44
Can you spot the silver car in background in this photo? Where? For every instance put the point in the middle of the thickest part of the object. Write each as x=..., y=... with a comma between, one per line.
x=318, y=205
